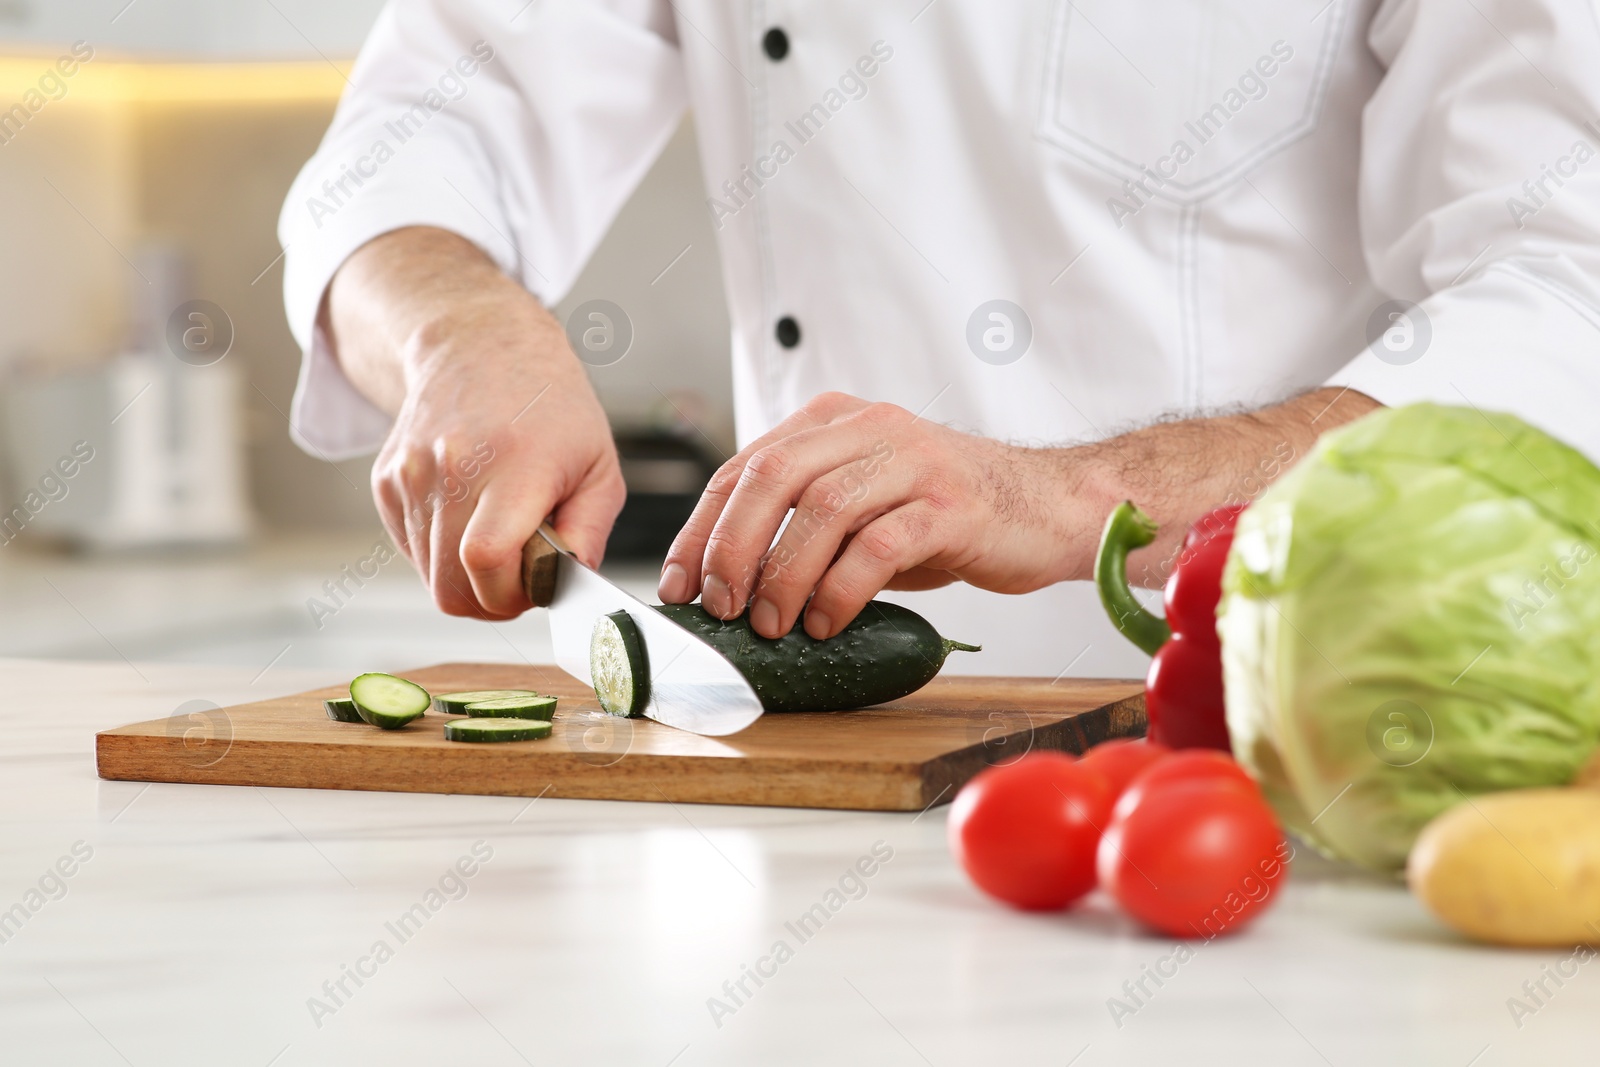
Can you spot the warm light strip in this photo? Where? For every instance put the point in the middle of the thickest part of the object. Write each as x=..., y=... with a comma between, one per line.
x=121, y=81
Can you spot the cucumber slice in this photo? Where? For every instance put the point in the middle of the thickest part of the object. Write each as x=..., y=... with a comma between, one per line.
x=456, y=703
x=342, y=709
x=496, y=730
x=514, y=708
x=388, y=702
x=618, y=665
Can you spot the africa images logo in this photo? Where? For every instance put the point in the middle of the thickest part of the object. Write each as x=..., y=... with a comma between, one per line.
x=1252, y=85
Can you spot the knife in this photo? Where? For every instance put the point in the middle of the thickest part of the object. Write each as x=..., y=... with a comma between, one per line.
x=692, y=686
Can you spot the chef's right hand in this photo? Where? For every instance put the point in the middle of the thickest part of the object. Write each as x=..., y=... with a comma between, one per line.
x=496, y=425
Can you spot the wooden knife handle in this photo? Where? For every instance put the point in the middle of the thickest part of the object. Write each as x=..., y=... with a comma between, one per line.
x=539, y=570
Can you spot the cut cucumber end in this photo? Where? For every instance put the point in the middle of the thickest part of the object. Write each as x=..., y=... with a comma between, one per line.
x=456, y=703
x=618, y=665
x=388, y=702
x=342, y=709
x=529, y=707
x=495, y=729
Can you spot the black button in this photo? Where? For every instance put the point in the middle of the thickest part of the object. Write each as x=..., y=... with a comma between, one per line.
x=788, y=332
x=775, y=43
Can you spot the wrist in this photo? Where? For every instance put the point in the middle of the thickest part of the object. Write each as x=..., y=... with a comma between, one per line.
x=485, y=330
x=1082, y=487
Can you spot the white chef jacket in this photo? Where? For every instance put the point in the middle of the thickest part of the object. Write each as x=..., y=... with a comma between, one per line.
x=1195, y=206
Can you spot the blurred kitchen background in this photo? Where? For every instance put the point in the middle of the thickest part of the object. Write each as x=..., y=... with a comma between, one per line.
x=155, y=509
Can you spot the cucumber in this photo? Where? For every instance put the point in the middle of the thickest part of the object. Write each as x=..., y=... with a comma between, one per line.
x=618, y=665
x=342, y=709
x=529, y=707
x=496, y=730
x=388, y=702
x=886, y=653
x=456, y=703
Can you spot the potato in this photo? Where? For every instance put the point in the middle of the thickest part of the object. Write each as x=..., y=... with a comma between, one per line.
x=1589, y=774
x=1514, y=868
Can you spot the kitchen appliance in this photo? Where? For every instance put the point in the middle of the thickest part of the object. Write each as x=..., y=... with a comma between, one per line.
x=160, y=423
x=165, y=451
x=665, y=474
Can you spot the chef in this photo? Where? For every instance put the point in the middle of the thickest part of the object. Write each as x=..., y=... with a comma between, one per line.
x=991, y=268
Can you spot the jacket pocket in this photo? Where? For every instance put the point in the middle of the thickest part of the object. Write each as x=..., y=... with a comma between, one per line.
x=1185, y=96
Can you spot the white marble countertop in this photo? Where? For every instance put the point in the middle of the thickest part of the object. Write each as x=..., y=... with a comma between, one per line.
x=199, y=925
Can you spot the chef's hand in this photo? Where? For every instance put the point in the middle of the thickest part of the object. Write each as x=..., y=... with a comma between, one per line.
x=881, y=499
x=884, y=499
x=496, y=426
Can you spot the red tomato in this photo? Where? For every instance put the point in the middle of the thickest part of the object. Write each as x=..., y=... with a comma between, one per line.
x=1026, y=832
x=1188, y=765
x=1122, y=760
x=1196, y=858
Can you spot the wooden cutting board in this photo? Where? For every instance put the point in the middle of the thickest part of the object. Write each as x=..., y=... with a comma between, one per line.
x=904, y=756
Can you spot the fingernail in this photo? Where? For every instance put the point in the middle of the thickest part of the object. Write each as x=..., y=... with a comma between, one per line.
x=764, y=617
x=818, y=625
x=716, y=596
x=674, y=587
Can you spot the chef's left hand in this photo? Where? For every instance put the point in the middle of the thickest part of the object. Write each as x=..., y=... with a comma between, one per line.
x=881, y=499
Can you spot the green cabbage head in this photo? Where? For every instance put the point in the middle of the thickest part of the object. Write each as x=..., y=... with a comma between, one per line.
x=1411, y=616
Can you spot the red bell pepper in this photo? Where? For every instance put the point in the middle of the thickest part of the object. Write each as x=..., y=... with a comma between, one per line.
x=1183, y=691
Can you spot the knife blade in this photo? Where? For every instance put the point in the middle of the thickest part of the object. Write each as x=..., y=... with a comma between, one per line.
x=692, y=687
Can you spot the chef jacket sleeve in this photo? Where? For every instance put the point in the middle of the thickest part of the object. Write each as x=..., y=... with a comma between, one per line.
x=1480, y=202
x=522, y=132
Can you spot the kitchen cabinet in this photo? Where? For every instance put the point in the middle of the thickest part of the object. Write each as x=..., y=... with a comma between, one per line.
x=191, y=29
